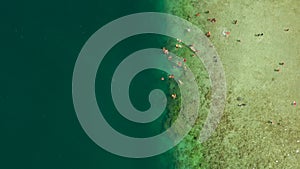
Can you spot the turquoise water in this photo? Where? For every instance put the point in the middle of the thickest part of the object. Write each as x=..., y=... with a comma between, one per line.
x=40, y=41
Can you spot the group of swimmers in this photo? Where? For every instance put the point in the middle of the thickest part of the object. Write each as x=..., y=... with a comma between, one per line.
x=171, y=76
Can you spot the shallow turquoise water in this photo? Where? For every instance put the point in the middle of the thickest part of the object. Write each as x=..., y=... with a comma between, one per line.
x=40, y=41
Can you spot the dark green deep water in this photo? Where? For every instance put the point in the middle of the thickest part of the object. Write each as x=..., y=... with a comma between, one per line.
x=40, y=42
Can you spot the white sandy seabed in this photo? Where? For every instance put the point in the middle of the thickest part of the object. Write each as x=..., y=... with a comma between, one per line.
x=266, y=132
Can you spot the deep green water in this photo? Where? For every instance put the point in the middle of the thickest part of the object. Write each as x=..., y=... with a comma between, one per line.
x=40, y=42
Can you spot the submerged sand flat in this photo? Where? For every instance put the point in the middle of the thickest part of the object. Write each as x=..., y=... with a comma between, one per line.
x=266, y=132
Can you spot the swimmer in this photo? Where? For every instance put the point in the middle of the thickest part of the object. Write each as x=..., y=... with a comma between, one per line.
x=173, y=96
x=178, y=46
x=179, y=40
x=208, y=34
x=226, y=33
x=193, y=48
x=165, y=51
x=179, y=64
x=171, y=76
x=277, y=70
x=259, y=34
x=180, y=82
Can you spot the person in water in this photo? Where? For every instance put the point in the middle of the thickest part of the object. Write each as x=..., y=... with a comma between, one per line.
x=171, y=76
x=174, y=96
x=259, y=34
x=208, y=34
x=165, y=51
